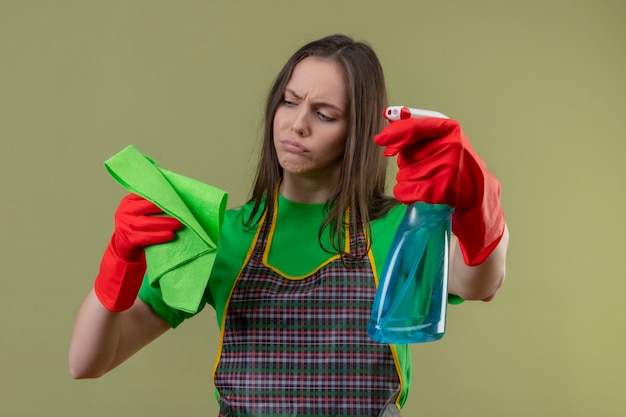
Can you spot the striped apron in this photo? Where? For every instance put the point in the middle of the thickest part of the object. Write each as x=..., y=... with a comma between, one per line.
x=299, y=347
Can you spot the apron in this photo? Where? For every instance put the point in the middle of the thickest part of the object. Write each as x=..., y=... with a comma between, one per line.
x=299, y=347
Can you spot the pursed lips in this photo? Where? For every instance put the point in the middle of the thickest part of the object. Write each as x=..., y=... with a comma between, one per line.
x=293, y=146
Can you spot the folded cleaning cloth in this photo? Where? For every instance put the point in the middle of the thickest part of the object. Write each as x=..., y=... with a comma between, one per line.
x=180, y=267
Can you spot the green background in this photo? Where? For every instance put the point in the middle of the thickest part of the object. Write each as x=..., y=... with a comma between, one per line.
x=539, y=87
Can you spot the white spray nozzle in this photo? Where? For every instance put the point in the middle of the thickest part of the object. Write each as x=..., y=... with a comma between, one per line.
x=392, y=113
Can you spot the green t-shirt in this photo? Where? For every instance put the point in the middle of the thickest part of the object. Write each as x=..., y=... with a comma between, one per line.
x=296, y=232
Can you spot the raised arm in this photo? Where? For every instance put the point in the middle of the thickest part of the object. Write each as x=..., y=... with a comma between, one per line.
x=438, y=165
x=112, y=323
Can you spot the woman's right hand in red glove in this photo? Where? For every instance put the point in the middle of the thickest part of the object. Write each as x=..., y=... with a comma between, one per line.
x=138, y=223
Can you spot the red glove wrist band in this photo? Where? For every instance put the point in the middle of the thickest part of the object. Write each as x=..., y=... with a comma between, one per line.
x=118, y=281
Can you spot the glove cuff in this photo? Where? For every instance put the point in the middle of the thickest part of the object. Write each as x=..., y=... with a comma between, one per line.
x=478, y=231
x=118, y=281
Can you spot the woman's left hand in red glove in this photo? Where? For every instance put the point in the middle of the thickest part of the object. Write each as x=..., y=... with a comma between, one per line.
x=437, y=165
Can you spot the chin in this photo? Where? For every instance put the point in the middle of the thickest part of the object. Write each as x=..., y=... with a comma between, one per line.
x=293, y=167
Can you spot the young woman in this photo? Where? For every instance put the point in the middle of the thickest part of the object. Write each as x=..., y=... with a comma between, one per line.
x=297, y=266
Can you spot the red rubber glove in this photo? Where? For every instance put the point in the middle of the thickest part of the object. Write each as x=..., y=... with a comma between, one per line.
x=437, y=165
x=123, y=264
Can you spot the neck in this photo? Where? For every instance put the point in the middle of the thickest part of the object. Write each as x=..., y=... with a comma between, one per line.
x=306, y=190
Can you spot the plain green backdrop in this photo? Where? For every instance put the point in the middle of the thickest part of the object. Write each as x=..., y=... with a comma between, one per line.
x=539, y=87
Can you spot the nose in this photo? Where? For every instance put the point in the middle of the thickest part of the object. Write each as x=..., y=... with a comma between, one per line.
x=300, y=123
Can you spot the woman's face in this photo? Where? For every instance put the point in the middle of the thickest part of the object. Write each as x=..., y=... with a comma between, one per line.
x=311, y=123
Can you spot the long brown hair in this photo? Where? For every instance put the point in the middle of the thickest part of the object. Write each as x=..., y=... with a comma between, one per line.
x=361, y=187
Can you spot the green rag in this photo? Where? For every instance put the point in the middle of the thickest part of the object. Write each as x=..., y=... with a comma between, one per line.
x=180, y=267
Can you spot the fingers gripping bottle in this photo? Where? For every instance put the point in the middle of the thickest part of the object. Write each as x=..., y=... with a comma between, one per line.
x=412, y=294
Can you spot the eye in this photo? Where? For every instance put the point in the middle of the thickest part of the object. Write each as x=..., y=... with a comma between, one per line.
x=325, y=117
x=288, y=102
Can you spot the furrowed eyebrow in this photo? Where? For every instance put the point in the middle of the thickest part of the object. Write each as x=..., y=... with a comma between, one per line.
x=317, y=104
x=293, y=93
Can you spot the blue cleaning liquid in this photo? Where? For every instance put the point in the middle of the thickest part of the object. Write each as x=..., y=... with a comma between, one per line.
x=412, y=295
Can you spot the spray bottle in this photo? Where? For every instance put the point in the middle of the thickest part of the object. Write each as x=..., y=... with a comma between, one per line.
x=412, y=294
